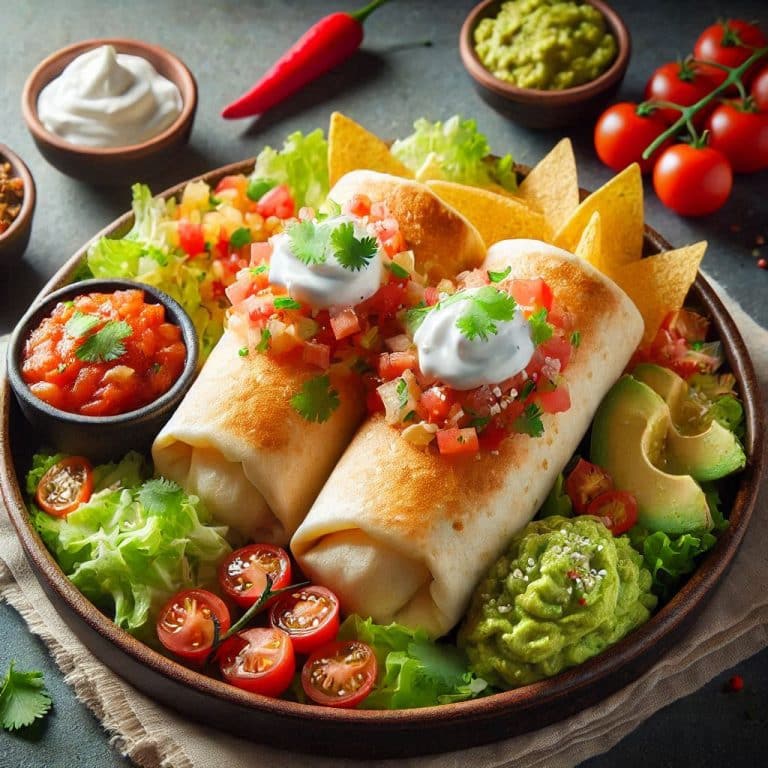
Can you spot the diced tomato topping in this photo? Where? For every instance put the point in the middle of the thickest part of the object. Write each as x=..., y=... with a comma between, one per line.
x=554, y=401
x=359, y=205
x=393, y=364
x=260, y=254
x=258, y=308
x=394, y=244
x=239, y=290
x=191, y=237
x=277, y=202
x=457, y=441
x=386, y=301
x=686, y=324
x=557, y=348
x=492, y=436
x=431, y=295
x=532, y=293
x=379, y=211
x=345, y=323
x=435, y=404
x=316, y=354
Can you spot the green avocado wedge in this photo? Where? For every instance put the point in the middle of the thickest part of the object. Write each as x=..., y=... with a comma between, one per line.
x=629, y=436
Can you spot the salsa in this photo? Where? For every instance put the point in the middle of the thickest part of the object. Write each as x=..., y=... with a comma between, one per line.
x=103, y=354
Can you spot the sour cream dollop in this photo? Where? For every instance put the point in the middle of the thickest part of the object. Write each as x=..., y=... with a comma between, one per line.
x=108, y=99
x=462, y=363
x=329, y=284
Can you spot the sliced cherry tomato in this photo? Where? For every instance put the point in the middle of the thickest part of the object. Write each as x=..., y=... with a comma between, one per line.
x=683, y=83
x=191, y=237
x=730, y=42
x=340, y=674
x=586, y=482
x=617, y=510
x=243, y=574
x=692, y=181
x=277, y=202
x=533, y=293
x=65, y=486
x=740, y=132
x=260, y=660
x=185, y=625
x=310, y=616
x=759, y=89
x=622, y=135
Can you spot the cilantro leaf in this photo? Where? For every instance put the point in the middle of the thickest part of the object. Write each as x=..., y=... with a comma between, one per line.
x=529, y=421
x=260, y=270
x=263, y=344
x=402, y=393
x=79, y=324
x=350, y=252
x=23, y=699
x=158, y=495
x=317, y=400
x=107, y=344
x=485, y=306
x=331, y=209
x=259, y=187
x=576, y=339
x=528, y=387
x=400, y=272
x=243, y=351
x=240, y=237
x=286, y=302
x=541, y=330
x=497, y=277
x=308, y=243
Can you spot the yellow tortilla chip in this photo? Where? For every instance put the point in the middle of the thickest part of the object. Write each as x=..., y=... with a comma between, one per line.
x=552, y=185
x=590, y=245
x=620, y=203
x=660, y=283
x=351, y=147
x=496, y=217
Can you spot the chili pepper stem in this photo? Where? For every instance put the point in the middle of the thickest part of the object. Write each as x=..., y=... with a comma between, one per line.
x=363, y=13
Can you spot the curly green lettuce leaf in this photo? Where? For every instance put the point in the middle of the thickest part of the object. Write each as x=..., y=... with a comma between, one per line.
x=302, y=164
x=454, y=150
x=135, y=543
x=414, y=671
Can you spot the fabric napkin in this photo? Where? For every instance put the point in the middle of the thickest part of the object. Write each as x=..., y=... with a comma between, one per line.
x=732, y=627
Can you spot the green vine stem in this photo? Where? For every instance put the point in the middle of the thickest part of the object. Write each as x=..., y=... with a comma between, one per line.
x=687, y=113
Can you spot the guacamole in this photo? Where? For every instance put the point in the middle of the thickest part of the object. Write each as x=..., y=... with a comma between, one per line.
x=545, y=44
x=565, y=590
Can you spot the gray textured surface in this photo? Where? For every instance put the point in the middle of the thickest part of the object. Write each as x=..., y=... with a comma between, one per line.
x=391, y=82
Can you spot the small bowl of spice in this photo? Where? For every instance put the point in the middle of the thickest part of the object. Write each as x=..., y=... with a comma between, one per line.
x=99, y=366
x=17, y=203
x=545, y=63
x=109, y=111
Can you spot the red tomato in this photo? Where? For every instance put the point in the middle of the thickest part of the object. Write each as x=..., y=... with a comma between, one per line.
x=741, y=134
x=243, y=574
x=759, y=89
x=435, y=404
x=557, y=348
x=682, y=83
x=586, y=482
x=277, y=202
x=555, y=401
x=340, y=674
x=185, y=625
x=345, y=323
x=191, y=237
x=686, y=324
x=455, y=441
x=692, y=181
x=310, y=617
x=65, y=486
x=617, y=510
x=386, y=301
x=622, y=135
x=260, y=660
x=729, y=42
x=359, y=205
x=532, y=293
x=394, y=364
x=492, y=436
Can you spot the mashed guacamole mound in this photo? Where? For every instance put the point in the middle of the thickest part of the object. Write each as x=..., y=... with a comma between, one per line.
x=545, y=44
x=565, y=590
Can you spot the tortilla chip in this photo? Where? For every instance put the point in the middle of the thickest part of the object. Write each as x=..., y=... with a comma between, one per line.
x=496, y=217
x=552, y=185
x=660, y=283
x=351, y=147
x=590, y=247
x=620, y=203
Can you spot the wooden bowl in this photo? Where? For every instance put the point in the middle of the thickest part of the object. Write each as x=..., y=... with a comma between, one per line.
x=13, y=241
x=538, y=108
x=399, y=733
x=113, y=165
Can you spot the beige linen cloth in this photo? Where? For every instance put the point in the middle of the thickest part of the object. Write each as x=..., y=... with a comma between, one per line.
x=732, y=627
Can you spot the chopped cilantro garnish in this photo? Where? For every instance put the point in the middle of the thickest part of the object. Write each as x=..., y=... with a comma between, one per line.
x=79, y=324
x=23, y=699
x=240, y=237
x=479, y=422
x=541, y=330
x=402, y=393
x=158, y=494
x=398, y=271
x=263, y=344
x=332, y=209
x=528, y=387
x=576, y=338
x=317, y=400
x=485, y=307
x=257, y=188
x=410, y=416
x=105, y=345
x=243, y=351
x=286, y=302
x=529, y=421
x=360, y=366
x=696, y=345
x=497, y=277
x=213, y=201
x=260, y=270
x=308, y=243
x=350, y=252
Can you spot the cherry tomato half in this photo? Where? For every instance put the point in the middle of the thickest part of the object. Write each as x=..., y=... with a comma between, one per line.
x=730, y=42
x=310, y=616
x=260, y=660
x=622, y=135
x=741, y=133
x=185, y=624
x=617, y=510
x=682, y=83
x=65, y=486
x=340, y=674
x=692, y=181
x=586, y=482
x=243, y=574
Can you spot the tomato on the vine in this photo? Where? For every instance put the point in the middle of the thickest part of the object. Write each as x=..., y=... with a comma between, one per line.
x=683, y=83
x=740, y=132
x=622, y=134
x=730, y=42
x=692, y=181
x=759, y=89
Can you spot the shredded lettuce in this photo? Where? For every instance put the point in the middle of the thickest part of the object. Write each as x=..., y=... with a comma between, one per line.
x=135, y=543
x=456, y=151
x=302, y=164
x=414, y=671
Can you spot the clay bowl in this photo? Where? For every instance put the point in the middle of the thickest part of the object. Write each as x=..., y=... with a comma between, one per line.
x=115, y=165
x=13, y=241
x=374, y=734
x=538, y=108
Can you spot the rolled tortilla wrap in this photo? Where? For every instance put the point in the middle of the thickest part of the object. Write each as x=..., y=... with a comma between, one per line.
x=404, y=534
x=237, y=442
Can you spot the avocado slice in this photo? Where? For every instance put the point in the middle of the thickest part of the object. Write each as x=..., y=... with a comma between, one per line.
x=629, y=435
x=709, y=455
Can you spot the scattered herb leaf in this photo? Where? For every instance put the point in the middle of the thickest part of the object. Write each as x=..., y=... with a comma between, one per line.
x=308, y=243
x=286, y=302
x=257, y=188
x=485, y=307
x=263, y=344
x=402, y=393
x=576, y=338
x=240, y=237
x=23, y=699
x=400, y=272
x=317, y=400
x=497, y=277
x=158, y=495
x=528, y=387
x=105, y=345
x=541, y=330
x=243, y=351
x=350, y=252
x=529, y=421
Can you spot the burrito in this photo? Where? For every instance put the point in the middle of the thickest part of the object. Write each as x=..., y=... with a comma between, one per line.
x=403, y=533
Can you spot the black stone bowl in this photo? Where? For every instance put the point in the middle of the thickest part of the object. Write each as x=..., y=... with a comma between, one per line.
x=100, y=438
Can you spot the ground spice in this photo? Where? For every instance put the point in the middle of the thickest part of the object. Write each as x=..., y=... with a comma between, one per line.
x=11, y=196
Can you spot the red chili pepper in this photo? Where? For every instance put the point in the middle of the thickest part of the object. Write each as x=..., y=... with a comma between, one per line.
x=325, y=45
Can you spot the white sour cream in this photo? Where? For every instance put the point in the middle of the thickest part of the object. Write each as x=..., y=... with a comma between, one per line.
x=329, y=284
x=108, y=99
x=462, y=363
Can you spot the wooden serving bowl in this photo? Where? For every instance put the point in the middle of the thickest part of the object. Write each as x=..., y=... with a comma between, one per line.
x=399, y=733
x=13, y=241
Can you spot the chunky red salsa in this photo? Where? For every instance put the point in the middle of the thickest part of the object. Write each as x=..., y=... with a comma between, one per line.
x=103, y=354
